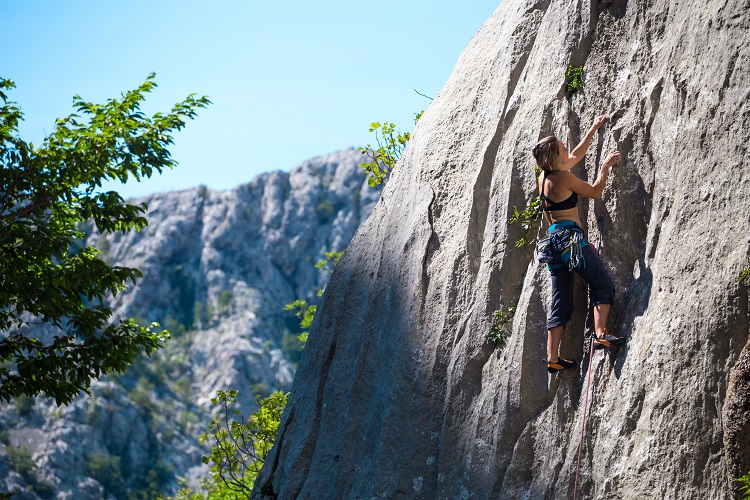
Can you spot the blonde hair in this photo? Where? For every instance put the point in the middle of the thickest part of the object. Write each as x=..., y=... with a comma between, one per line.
x=547, y=154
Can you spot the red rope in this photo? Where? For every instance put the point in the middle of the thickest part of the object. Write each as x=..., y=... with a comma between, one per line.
x=583, y=423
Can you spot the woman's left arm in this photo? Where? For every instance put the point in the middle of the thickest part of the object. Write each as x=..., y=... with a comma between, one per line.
x=580, y=151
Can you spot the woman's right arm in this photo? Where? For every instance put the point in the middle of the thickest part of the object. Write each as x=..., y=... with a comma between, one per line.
x=594, y=190
x=580, y=151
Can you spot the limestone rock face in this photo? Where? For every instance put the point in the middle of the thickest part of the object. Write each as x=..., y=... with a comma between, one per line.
x=218, y=268
x=398, y=394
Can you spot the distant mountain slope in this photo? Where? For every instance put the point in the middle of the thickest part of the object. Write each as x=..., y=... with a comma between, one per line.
x=218, y=268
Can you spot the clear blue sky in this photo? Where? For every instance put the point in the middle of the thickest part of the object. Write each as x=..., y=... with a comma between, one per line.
x=289, y=80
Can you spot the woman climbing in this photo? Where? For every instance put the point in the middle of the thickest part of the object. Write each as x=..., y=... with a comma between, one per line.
x=559, y=190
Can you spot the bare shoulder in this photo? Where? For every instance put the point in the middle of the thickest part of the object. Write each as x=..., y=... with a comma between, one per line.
x=565, y=178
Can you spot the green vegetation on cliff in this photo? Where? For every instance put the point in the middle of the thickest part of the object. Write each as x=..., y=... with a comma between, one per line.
x=391, y=143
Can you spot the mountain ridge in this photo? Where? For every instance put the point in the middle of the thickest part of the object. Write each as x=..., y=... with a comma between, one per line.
x=218, y=268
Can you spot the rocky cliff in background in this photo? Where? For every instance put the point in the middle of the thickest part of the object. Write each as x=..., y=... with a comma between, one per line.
x=218, y=268
x=399, y=395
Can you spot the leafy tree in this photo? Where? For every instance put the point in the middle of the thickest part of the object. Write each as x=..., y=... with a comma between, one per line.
x=329, y=263
x=46, y=194
x=391, y=143
x=240, y=447
x=305, y=312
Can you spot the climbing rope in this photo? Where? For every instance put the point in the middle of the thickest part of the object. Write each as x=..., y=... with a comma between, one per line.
x=600, y=226
x=583, y=422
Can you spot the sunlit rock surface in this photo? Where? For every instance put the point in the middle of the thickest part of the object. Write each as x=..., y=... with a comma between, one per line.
x=398, y=394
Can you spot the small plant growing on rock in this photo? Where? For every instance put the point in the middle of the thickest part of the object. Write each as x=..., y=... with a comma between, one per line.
x=500, y=331
x=744, y=276
x=305, y=312
x=745, y=483
x=391, y=143
x=529, y=219
x=301, y=308
x=574, y=78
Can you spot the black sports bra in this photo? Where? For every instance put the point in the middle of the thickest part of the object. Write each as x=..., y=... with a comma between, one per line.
x=570, y=202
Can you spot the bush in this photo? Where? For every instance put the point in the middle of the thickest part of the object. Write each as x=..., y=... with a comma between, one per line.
x=202, y=315
x=391, y=143
x=745, y=485
x=574, y=78
x=153, y=483
x=174, y=327
x=744, y=276
x=45, y=489
x=499, y=331
x=260, y=390
x=106, y=469
x=184, y=418
x=92, y=413
x=141, y=396
x=529, y=219
x=325, y=211
x=240, y=446
x=183, y=387
x=225, y=300
x=19, y=460
x=305, y=312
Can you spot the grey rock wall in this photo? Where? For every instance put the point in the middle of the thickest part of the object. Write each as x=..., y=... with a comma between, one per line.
x=399, y=396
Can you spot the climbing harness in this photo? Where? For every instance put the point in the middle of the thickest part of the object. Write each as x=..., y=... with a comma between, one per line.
x=561, y=246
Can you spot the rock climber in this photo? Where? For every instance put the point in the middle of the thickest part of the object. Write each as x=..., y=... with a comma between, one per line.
x=559, y=190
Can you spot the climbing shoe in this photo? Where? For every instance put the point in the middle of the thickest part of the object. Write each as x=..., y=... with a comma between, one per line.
x=607, y=340
x=560, y=365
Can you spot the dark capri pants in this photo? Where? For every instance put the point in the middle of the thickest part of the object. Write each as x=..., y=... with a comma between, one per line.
x=601, y=289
